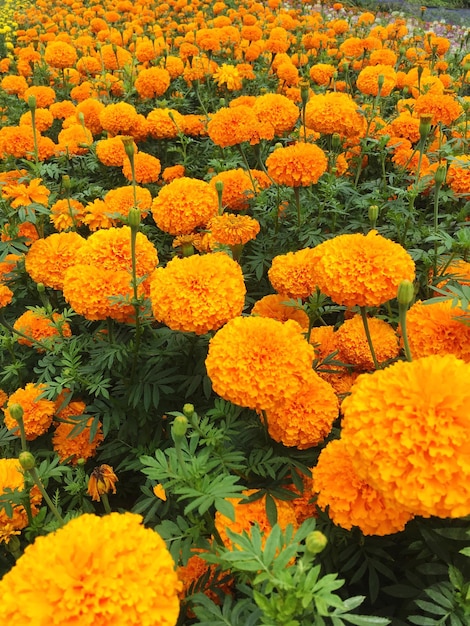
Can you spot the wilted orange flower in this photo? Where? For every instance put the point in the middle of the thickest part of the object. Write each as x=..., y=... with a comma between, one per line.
x=237, y=188
x=76, y=562
x=351, y=501
x=60, y=54
x=249, y=513
x=277, y=307
x=24, y=194
x=39, y=326
x=250, y=355
x=233, y=230
x=438, y=328
x=275, y=108
x=48, y=259
x=152, y=82
x=353, y=348
x=292, y=274
x=102, y=481
x=74, y=447
x=147, y=168
x=305, y=420
x=184, y=205
x=12, y=477
x=37, y=411
x=334, y=113
x=198, y=293
x=361, y=270
x=369, y=78
x=407, y=431
x=298, y=165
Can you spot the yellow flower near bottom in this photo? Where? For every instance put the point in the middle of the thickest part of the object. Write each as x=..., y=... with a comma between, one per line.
x=104, y=571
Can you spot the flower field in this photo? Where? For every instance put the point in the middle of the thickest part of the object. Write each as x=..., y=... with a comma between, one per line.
x=234, y=315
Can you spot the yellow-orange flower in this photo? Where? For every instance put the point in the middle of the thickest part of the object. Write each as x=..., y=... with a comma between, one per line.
x=369, y=78
x=111, y=151
x=147, y=168
x=102, y=481
x=361, y=270
x=250, y=355
x=165, y=123
x=353, y=348
x=6, y=295
x=37, y=411
x=74, y=447
x=233, y=230
x=67, y=576
x=24, y=194
x=11, y=477
x=48, y=259
x=292, y=274
x=458, y=175
x=443, y=108
x=299, y=165
x=67, y=213
x=233, y=125
x=184, y=205
x=237, y=188
x=120, y=200
x=334, y=113
x=152, y=82
x=277, y=307
x=118, y=119
x=277, y=109
x=37, y=325
x=351, y=501
x=198, y=293
x=60, y=54
x=407, y=430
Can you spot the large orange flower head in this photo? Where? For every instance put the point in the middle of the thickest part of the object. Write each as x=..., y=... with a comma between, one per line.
x=299, y=165
x=233, y=230
x=407, y=429
x=184, y=205
x=237, y=188
x=334, y=112
x=458, y=175
x=37, y=325
x=118, y=119
x=249, y=357
x=370, y=78
x=73, y=446
x=234, y=125
x=438, y=328
x=48, y=259
x=353, y=348
x=198, y=293
x=152, y=82
x=443, y=108
x=37, y=411
x=304, y=421
x=11, y=477
x=121, y=199
x=277, y=109
x=350, y=499
x=292, y=274
x=107, y=570
x=361, y=270
x=277, y=307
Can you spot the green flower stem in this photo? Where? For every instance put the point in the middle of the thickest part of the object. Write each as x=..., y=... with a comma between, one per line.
x=10, y=328
x=297, y=204
x=105, y=501
x=37, y=480
x=402, y=311
x=369, y=338
x=437, y=190
x=247, y=166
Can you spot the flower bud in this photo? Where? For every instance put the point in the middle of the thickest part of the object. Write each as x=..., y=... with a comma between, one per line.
x=32, y=102
x=406, y=292
x=41, y=288
x=27, y=460
x=440, y=175
x=424, y=125
x=304, y=91
x=315, y=542
x=129, y=146
x=380, y=82
x=373, y=213
x=180, y=426
x=133, y=219
x=16, y=411
x=188, y=410
x=219, y=186
x=66, y=182
x=336, y=142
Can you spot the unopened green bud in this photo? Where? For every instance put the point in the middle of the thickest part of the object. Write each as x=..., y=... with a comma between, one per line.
x=336, y=141
x=373, y=213
x=27, y=460
x=406, y=292
x=466, y=66
x=188, y=409
x=304, y=91
x=380, y=81
x=316, y=542
x=81, y=118
x=133, y=218
x=180, y=426
x=41, y=288
x=16, y=411
x=219, y=186
x=425, y=125
x=440, y=175
x=32, y=102
x=129, y=146
x=66, y=182
x=14, y=545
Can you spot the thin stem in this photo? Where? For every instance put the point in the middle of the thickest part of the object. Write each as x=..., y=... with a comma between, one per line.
x=297, y=204
x=402, y=310
x=37, y=480
x=368, y=336
x=105, y=501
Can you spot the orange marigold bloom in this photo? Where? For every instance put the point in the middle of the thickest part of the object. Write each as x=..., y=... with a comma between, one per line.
x=111, y=151
x=152, y=82
x=173, y=172
x=233, y=230
x=67, y=213
x=334, y=113
x=250, y=355
x=62, y=109
x=361, y=270
x=90, y=108
x=234, y=125
x=458, y=175
x=60, y=54
x=118, y=119
x=305, y=420
x=74, y=140
x=184, y=205
x=353, y=47
x=458, y=270
x=75, y=562
x=292, y=274
x=443, y=108
x=16, y=141
x=147, y=168
x=120, y=200
x=277, y=307
x=45, y=96
x=405, y=126
x=407, y=429
x=246, y=514
x=102, y=481
x=351, y=501
x=438, y=45
x=89, y=66
x=384, y=56
x=322, y=73
x=24, y=194
x=25, y=230
x=6, y=295
x=229, y=76
x=48, y=259
x=237, y=189
x=368, y=80
x=12, y=477
x=275, y=108
x=43, y=119
x=39, y=326
x=353, y=348
x=14, y=84
x=299, y=165
x=438, y=328
x=37, y=412
x=115, y=57
x=194, y=125
x=165, y=123
x=97, y=215
x=198, y=293
x=7, y=266
x=74, y=447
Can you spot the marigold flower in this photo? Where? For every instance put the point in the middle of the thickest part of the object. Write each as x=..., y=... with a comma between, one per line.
x=173, y=172
x=234, y=125
x=233, y=230
x=48, y=259
x=299, y=165
x=369, y=78
x=102, y=481
x=75, y=562
x=160, y=493
x=305, y=420
x=60, y=54
x=67, y=213
x=246, y=514
x=438, y=328
x=74, y=447
x=6, y=296
x=16, y=141
x=292, y=274
x=458, y=175
x=43, y=119
x=111, y=151
x=351, y=501
x=229, y=76
x=353, y=348
x=45, y=96
x=443, y=108
x=407, y=431
x=37, y=411
x=118, y=119
x=277, y=307
x=334, y=113
x=184, y=205
x=152, y=82
x=458, y=270
x=198, y=293
x=12, y=477
x=250, y=355
x=39, y=326
x=147, y=168
x=14, y=84
x=165, y=123
x=275, y=108
x=24, y=194
x=74, y=140
x=322, y=73
x=90, y=108
x=237, y=188
x=361, y=270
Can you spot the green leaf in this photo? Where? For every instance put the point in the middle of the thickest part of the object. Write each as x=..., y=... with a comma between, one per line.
x=272, y=545
x=366, y=620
